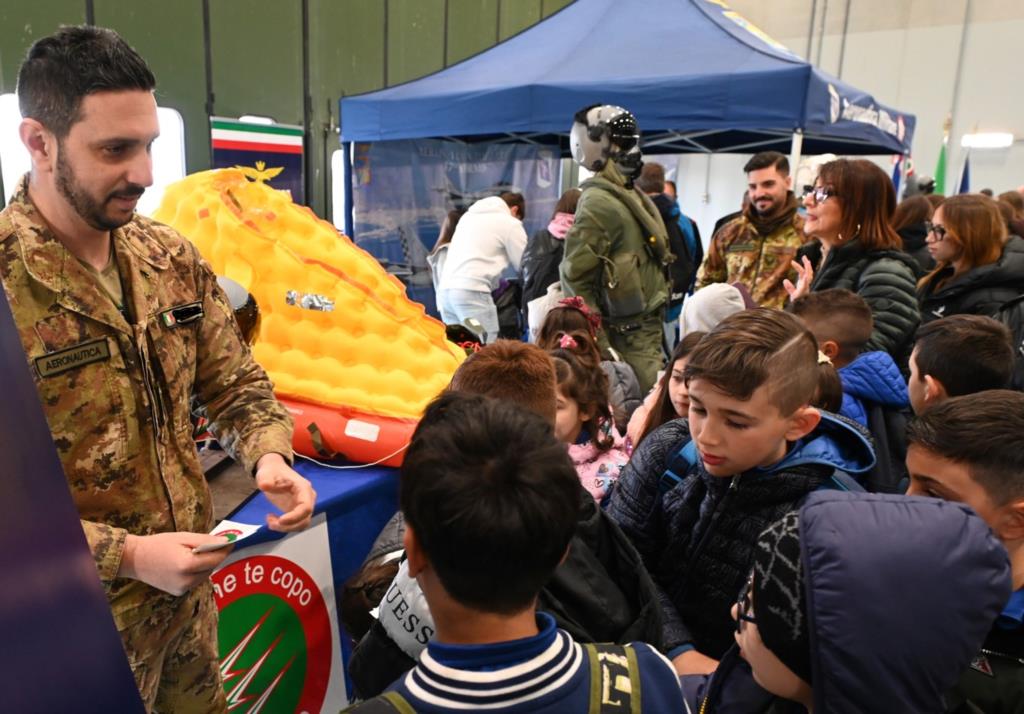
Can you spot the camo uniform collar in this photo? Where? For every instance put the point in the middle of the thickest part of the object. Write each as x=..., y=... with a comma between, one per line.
x=142, y=244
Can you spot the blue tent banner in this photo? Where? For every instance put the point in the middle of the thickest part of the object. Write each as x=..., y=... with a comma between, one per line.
x=720, y=84
x=402, y=191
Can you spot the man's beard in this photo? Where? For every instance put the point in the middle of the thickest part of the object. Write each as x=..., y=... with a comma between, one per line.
x=90, y=210
x=769, y=208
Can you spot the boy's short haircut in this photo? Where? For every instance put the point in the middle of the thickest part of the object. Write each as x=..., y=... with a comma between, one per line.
x=839, y=315
x=755, y=347
x=982, y=431
x=965, y=353
x=514, y=371
x=492, y=497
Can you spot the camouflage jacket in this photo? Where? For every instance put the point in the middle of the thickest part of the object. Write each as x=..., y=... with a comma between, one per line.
x=738, y=254
x=116, y=391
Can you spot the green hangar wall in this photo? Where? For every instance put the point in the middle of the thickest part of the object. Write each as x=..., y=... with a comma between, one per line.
x=288, y=59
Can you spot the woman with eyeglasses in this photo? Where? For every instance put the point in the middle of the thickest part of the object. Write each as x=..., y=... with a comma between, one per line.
x=849, y=212
x=859, y=602
x=973, y=274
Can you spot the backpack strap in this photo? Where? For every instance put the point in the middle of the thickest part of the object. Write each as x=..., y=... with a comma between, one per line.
x=678, y=467
x=614, y=679
x=387, y=703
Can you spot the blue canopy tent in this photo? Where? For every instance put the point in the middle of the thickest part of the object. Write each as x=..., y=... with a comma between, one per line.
x=698, y=77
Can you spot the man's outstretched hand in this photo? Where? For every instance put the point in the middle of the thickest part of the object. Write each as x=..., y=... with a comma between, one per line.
x=287, y=490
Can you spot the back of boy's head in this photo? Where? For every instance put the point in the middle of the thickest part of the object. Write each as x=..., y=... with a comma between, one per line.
x=514, y=371
x=982, y=431
x=965, y=353
x=492, y=498
x=841, y=316
x=756, y=347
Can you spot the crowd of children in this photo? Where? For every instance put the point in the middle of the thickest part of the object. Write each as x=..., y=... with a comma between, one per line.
x=789, y=523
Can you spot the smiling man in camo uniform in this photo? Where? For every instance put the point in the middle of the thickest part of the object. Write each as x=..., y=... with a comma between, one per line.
x=756, y=247
x=122, y=324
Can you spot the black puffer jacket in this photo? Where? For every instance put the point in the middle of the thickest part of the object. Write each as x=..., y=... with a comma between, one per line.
x=885, y=279
x=979, y=291
x=1014, y=244
x=540, y=264
x=698, y=538
x=624, y=392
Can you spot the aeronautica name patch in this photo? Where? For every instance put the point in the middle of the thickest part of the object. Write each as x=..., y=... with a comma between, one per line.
x=53, y=363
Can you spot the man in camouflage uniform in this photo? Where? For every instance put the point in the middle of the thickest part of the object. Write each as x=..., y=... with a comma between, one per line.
x=757, y=247
x=122, y=323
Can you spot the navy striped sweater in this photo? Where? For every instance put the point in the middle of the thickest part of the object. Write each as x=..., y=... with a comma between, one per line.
x=549, y=672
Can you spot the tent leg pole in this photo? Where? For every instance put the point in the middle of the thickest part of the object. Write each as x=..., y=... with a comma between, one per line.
x=905, y=173
x=346, y=149
x=706, y=196
x=795, y=152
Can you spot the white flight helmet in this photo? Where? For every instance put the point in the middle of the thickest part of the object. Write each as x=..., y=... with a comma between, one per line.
x=603, y=131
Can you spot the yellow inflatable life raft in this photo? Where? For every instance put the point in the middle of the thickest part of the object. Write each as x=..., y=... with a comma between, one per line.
x=351, y=356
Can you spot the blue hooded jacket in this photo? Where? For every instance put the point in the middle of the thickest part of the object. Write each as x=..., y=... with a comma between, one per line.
x=697, y=537
x=872, y=377
x=900, y=592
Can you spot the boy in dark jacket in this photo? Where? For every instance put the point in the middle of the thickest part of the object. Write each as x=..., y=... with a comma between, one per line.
x=859, y=603
x=957, y=355
x=696, y=495
x=968, y=449
x=601, y=592
x=874, y=390
x=490, y=499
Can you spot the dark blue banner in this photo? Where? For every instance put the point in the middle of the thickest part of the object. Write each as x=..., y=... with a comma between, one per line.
x=60, y=652
x=290, y=179
x=402, y=191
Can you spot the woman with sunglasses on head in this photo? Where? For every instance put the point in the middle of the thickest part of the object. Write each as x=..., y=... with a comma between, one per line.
x=973, y=274
x=859, y=602
x=849, y=212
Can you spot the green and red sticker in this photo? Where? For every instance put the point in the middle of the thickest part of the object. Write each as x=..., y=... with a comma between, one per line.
x=275, y=636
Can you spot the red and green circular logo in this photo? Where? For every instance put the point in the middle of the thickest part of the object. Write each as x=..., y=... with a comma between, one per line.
x=275, y=636
x=230, y=533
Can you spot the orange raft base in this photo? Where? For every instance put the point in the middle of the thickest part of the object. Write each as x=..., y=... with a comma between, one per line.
x=335, y=432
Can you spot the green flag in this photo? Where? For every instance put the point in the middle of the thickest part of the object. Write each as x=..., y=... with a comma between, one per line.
x=940, y=171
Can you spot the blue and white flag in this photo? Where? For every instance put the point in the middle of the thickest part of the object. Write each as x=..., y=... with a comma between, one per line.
x=965, y=175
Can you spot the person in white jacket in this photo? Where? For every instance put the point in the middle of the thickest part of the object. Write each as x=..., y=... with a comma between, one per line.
x=488, y=244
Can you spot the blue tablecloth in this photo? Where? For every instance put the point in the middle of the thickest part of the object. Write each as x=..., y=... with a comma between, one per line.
x=358, y=502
